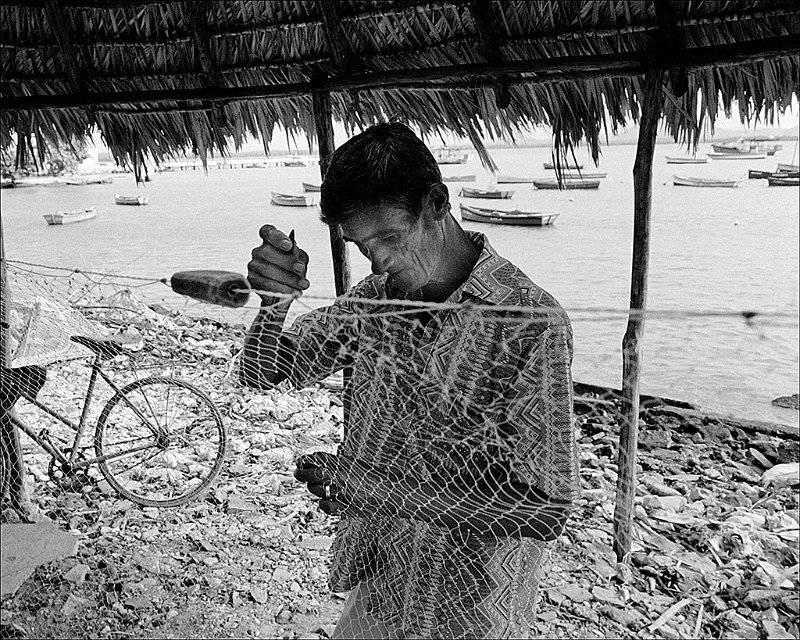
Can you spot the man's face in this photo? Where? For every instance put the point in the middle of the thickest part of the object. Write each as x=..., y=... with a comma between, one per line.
x=397, y=243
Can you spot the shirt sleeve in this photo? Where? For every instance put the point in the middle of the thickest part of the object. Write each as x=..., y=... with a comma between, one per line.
x=325, y=340
x=540, y=416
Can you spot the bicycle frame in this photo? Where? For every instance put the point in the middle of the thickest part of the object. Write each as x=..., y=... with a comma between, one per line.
x=43, y=440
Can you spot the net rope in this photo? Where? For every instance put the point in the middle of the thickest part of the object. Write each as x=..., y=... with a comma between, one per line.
x=446, y=453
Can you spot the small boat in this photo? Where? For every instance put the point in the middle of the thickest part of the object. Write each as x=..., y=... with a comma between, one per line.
x=469, y=192
x=780, y=181
x=444, y=155
x=290, y=200
x=7, y=183
x=736, y=156
x=788, y=168
x=68, y=217
x=130, y=200
x=685, y=160
x=567, y=183
x=465, y=178
x=311, y=188
x=598, y=175
x=515, y=217
x=550, y=165
x=82, y=181
x=683, y=181
x=503, y=178
x=755, y=174
x=295, y=161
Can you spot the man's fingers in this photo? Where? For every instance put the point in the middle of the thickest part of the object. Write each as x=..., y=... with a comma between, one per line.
x=270, y=277
x=275, y=237
x=331, y=507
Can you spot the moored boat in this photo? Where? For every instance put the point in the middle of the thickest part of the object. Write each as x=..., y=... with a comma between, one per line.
x=788, y=168
x=444, y=155
x=7, y=183
x=781, y=181
x=736, y=156
x=580, y=175
x=513, y=217
x=291, y=200
x=130, y=200
x=465, y=178
x=686, y=160
x=755, y=174
x=567, y=183
x=294, y=161
x=311, y=188
x=92, y=180
x=494, y=194
x=68, y=217
x=550, y=165
x=686, y=181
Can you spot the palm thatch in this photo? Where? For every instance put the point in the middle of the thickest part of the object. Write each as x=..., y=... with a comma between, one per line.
x=158, y=78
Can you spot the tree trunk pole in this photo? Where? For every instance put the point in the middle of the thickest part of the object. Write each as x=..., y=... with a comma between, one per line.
x=651, y=105
x=324, y=126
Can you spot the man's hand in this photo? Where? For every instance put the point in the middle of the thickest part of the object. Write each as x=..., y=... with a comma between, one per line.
x=277, y=265
x=317, y=470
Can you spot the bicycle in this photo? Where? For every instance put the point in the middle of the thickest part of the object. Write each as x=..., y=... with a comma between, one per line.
x=159, y=441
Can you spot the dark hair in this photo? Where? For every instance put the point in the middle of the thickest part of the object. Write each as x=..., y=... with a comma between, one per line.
x=386, y=162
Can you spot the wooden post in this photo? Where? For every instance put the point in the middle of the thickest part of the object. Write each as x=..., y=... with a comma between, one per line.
x=324, y=126
x=651, y=106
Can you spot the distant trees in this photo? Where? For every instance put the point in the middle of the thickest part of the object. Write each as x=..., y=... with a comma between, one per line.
x=49, y=160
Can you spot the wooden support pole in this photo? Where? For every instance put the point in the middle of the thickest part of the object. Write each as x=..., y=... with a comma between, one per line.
x=651, y=106
x=324, y=126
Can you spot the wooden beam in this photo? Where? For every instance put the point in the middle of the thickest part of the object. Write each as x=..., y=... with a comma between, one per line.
x=652, y=102
x=323, y=123
x=477, y=74
x=482, y=19
x=335, y=37
x=57, y=19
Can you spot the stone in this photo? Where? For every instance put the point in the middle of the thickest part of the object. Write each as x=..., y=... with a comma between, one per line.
x=606, y=595
x=788, y=402
x=258, y=594
x=318, y=543
x=740, y=627
x=77, y=574
x=281, y=574
x=759, y=457
x=763, y=598
x=138, y=602
x=627, y=616
x=650, y=440
x=74, y=605
x=27, y=546
x=782, y=475
x=774, y=631
x=240, y=505
x=576, y=593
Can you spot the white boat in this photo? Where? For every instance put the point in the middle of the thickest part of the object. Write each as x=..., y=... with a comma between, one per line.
x=513, y=217
x=686, y=160
x=68, y=217
x=95, y=180
x=685, y=181
x=494, y=194
x=567, y=183
x=295, y=161
x=291, y=200
x=784, y=181
x=580, y=175
x=445, y=155
x=130, y=200
x=504, y=178
x=465, y=178
x=735, y=156
x=784, y=167
x=311, y=188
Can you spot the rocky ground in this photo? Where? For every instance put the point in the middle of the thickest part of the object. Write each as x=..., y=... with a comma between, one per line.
x=715, y=550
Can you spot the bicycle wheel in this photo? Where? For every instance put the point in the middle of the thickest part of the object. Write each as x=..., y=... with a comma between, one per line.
x=161, y=441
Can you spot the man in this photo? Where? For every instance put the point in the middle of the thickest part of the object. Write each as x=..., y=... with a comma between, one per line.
x=458, y=463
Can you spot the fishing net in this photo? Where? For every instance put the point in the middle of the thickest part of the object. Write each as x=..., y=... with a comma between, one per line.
x=446, y=441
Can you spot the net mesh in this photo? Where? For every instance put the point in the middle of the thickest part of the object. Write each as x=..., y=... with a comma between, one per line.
x=439, y=448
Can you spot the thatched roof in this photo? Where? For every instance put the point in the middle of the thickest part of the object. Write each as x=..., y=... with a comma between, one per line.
x=159, y=77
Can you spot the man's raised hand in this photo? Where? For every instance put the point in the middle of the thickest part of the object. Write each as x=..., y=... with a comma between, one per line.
x=277, y=265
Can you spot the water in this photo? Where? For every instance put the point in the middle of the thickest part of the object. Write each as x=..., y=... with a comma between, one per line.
x=712, y=250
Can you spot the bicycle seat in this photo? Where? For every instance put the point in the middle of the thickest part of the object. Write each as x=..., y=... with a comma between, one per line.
x=107, y=347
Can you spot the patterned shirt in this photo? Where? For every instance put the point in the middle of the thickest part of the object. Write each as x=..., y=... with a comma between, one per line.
x=456, y=396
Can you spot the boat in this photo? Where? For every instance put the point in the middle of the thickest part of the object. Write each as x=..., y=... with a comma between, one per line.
x=781, y=181
x=291, y=200
x=311, y=188
x=736, y=156
x=465, y=178
x=598, y=175
x=788, y=168
x=566, y=183
x=767, y=144
x=130, y=200
x=685, y=160
x=550, y=165
x=515, y=217
x=469, y=192
x=68, y=217
x=445, y=155
x=294, y=162
x=503, y=178
x=7, y=183
x=755, y=174
x=684, y=181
